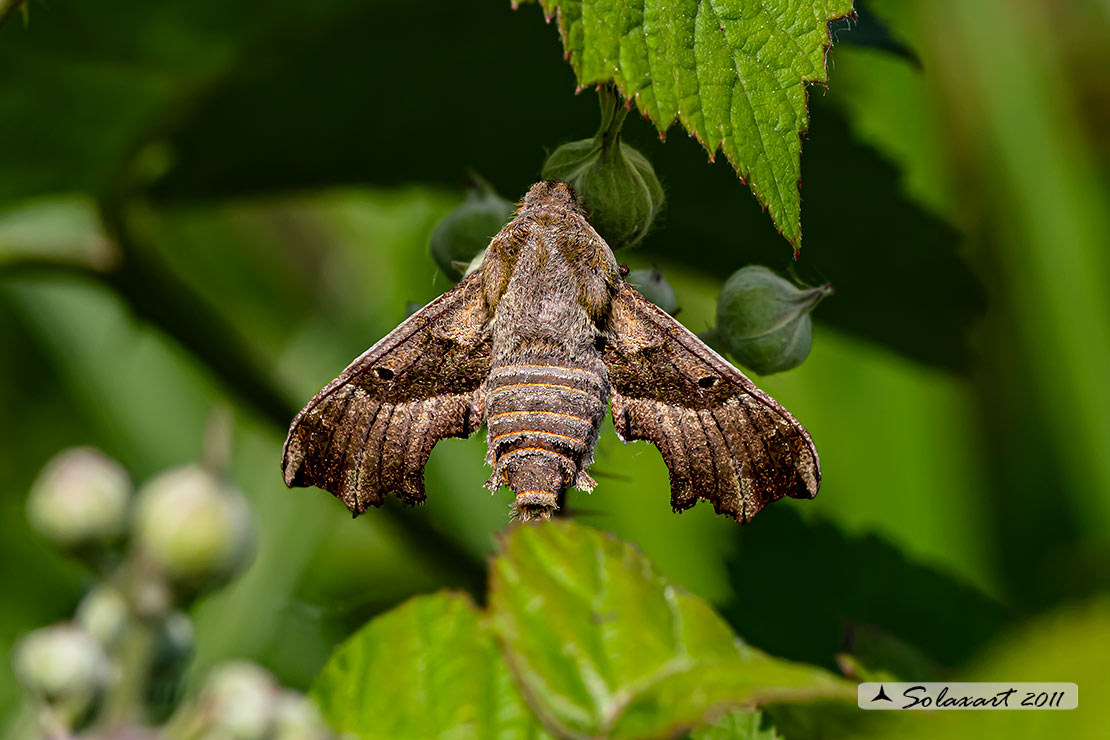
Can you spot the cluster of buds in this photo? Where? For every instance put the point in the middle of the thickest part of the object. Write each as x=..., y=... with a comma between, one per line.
x=114, y=670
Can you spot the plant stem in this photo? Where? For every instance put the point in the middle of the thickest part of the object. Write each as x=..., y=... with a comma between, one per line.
x=125, y=704
x=613, y=113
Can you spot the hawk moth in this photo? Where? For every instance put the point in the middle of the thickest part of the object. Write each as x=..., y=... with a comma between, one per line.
x=536, y=344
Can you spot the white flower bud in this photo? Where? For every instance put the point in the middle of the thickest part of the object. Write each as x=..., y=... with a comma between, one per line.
x=240, y=699
x=193, y=527
x=80, y=498
x=297, y=718
x=62, y=665
x=103, y=614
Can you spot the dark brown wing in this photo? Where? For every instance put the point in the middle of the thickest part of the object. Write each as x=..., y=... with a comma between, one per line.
x=371, y=430
x=723, y=439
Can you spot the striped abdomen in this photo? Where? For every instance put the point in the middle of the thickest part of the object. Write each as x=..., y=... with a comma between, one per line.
x=543, y=421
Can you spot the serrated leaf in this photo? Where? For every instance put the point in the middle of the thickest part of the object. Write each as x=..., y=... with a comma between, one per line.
x=733, y=72
x=427, y=669
x=604, y=647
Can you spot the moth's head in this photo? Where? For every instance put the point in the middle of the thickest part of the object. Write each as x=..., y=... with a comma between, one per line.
x=552, y=193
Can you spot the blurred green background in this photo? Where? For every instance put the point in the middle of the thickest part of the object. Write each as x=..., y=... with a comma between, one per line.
x=223, y=203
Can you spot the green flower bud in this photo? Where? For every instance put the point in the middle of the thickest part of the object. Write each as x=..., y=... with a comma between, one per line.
x=103, y=614
x=763, y=320
x=196, y=529
x=615, y=183
x=64, y=666
x=654, y=287
x=465, y=232
x=80, y=498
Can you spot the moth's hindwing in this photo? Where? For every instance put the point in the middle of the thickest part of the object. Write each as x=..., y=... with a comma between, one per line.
x=370, y=431
x=723, y=439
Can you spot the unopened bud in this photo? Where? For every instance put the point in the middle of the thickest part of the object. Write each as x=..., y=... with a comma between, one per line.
x=297, y=718
x=240, y=699
x=196, y=529
x=80, y=498
x=464, y=233
x=616, y=183
x=103, y=614
x=64, y=666
x=763, y=320
x=653, y=286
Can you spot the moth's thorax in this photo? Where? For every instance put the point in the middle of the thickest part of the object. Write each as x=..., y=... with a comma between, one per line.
x=549, y=253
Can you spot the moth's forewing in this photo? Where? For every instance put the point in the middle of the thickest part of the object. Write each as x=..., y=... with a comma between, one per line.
x=370, y=431
x=722, y=438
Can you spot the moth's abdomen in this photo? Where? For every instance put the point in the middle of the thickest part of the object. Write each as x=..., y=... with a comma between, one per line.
x=543, y=420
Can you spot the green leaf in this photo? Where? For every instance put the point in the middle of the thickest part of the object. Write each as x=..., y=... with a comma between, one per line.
x=603, y=646
x=64, y=230
x=427, y=669
x=733, y=72
x=738, y=725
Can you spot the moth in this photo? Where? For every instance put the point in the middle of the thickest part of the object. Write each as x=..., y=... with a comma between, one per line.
x=536, y=344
